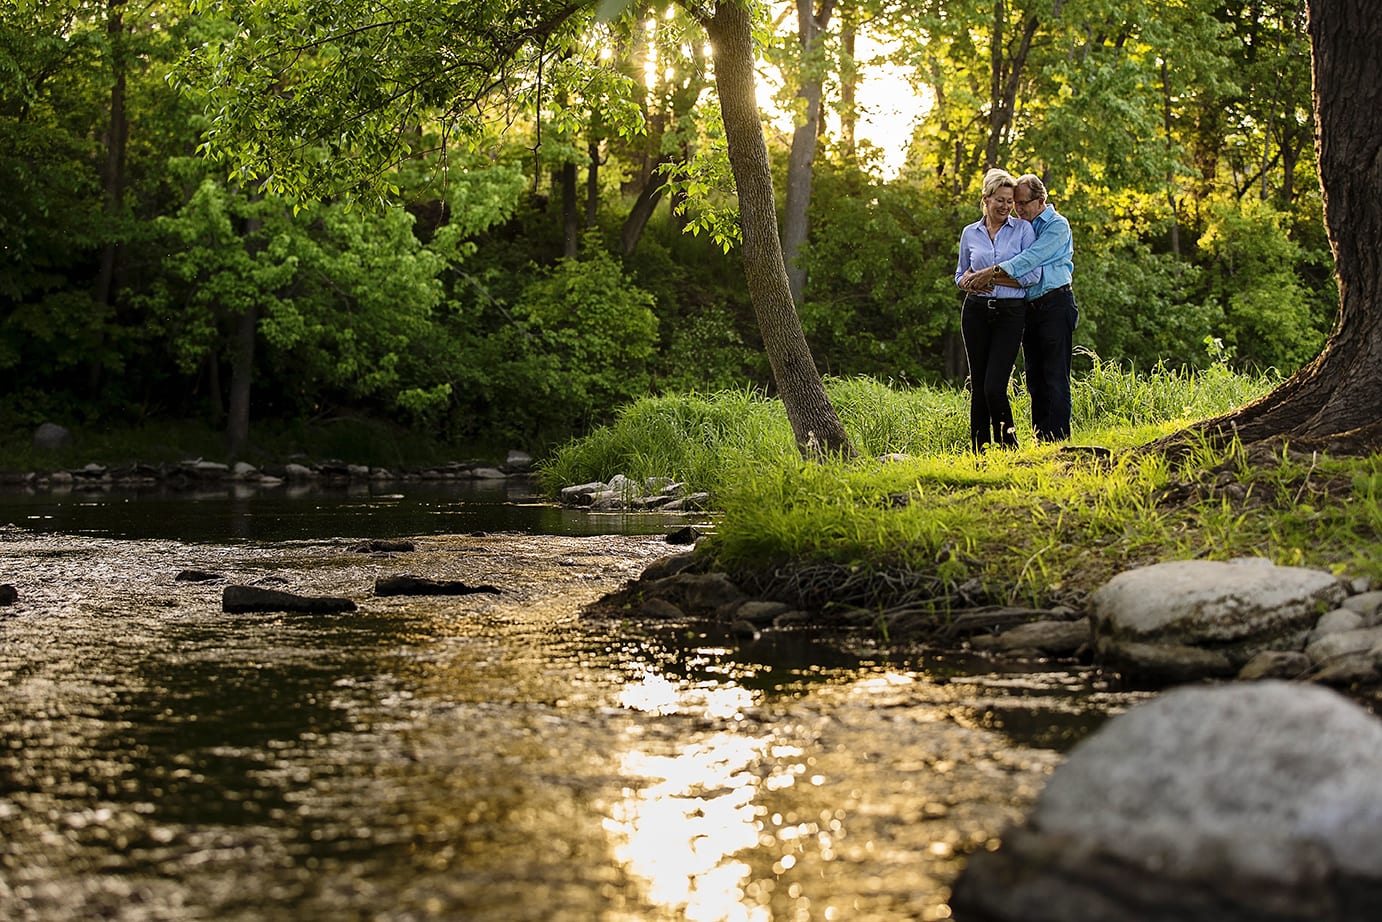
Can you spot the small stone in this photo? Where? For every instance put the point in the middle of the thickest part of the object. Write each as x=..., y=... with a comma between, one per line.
x=660, y=608
x=1367, y=604
x=1275, y=664
x=760, y=613
x=685, y=535
x=196, y=576
x=1336, y=621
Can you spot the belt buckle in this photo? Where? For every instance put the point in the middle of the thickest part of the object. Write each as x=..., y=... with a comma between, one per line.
x=992, y=303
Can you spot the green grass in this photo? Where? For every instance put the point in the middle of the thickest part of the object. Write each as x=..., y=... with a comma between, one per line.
x=1030, y=524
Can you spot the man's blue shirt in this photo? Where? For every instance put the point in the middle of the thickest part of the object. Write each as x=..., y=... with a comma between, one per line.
x=1053, y=252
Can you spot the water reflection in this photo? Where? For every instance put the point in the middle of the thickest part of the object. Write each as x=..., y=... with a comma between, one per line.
x=679, y=833
x=478, y=757
x=242, y=512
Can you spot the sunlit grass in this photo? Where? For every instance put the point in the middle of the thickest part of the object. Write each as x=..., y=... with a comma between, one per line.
x=1029, y=523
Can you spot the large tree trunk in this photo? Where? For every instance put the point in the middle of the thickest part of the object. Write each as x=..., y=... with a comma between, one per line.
x=802, y=159
x=1336, y=401
x=815, y=424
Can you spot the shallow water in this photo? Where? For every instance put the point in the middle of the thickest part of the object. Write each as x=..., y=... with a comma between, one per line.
x=480, y=756
x=234, y=512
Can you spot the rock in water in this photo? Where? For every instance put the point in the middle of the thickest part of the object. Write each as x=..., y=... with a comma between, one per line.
x=242, y=599
x=1242, y=803
x=417, y=585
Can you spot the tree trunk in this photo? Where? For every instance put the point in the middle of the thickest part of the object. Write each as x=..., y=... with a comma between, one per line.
x=113, y=175
x=241, y=377
x=1004, y=80
x=1336, y=401
x=815, y=424
x=801, y=161
x=849, y=81
x=570, y=213
x=642, y=211
x=592, y=183
x=242, y=364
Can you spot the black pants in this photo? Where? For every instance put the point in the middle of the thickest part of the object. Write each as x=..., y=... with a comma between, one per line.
x=1047, y=345
x=992, y=329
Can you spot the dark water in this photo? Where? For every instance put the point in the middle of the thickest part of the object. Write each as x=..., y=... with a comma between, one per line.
x=489, y=757
x=246, y=512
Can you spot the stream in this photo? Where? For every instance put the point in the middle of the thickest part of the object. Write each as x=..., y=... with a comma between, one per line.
x=491, y=756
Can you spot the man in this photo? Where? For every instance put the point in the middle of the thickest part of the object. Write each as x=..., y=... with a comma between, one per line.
x=1048, y=339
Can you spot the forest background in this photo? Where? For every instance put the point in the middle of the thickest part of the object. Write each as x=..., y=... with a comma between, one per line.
x=573, y=249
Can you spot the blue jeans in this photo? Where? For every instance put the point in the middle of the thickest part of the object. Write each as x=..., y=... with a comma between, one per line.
x=992, y=329
x=1047, y=345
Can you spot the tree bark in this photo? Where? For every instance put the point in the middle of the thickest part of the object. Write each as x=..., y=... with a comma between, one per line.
x=849, y=81
x=642, y=211
x=570, y=212
x=815, y=424
x=242, y=363
x=241, y=379
x=592, y=183
x=801, y=161
x=1336, y=401
x=113, y=174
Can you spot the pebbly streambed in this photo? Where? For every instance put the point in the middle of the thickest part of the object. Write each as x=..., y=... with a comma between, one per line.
x=481, y=756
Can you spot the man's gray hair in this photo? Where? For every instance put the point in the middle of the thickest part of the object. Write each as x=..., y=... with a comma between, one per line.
x=1033, y=184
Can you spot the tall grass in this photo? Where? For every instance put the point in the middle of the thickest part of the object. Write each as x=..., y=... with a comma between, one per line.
x=698, y=439
x=1114, y=395
x=707, y=440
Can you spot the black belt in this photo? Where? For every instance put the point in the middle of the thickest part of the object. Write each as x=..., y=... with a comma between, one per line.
x=1065, y=287
x=994, y=303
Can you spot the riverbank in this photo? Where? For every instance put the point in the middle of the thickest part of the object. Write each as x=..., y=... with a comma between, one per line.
x=197, y=473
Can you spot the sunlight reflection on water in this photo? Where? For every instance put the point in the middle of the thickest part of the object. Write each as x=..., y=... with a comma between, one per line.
x=679, y=833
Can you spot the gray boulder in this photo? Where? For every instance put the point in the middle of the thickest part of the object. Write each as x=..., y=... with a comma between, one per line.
x=1188, y=619
x=1244, y=802
x=51, y=437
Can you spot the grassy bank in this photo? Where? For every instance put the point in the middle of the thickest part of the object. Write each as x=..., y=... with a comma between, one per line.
x=1029, y=524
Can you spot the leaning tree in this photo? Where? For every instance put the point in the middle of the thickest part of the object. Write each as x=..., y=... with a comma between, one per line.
x=1335, y=402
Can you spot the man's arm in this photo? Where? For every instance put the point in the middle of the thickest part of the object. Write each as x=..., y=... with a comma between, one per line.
x=1050, y=245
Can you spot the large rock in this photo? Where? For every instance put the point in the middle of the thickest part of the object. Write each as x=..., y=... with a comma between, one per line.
x=51, y=437
x=1245, y=802
x=1218, y=614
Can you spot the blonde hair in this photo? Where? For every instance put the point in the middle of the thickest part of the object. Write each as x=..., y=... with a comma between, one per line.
x=996, y=179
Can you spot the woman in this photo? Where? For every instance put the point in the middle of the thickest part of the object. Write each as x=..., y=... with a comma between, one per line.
x=992, y=321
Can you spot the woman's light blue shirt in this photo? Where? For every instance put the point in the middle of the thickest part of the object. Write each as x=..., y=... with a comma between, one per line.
x=977, y=251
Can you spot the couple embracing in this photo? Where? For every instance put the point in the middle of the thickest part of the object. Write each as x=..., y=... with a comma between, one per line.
x=1015, y=268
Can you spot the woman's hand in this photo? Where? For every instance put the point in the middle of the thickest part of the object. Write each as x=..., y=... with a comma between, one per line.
x=977, y=282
